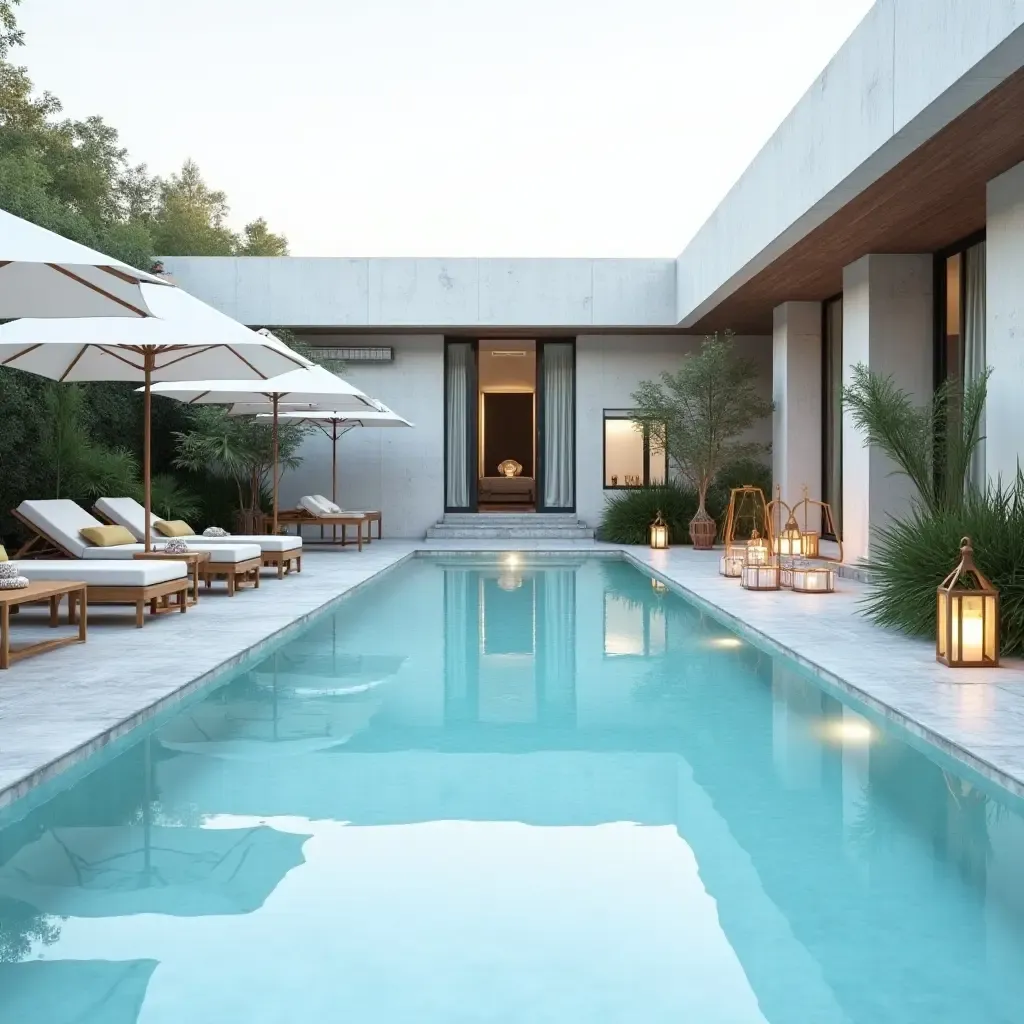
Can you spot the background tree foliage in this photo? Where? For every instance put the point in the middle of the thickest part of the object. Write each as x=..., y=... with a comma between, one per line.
x=74, y=177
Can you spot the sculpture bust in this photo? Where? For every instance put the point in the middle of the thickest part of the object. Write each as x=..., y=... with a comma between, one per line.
x=509, y=468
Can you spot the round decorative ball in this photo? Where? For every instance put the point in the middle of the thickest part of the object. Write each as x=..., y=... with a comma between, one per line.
x=215, y=531
x=8, y=570
x=14, y=583
x=176, y=546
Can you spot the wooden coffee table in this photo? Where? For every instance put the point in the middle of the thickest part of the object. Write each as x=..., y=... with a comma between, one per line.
x=35, y=593
x=194, y=559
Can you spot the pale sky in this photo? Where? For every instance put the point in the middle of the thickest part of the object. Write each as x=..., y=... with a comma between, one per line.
x=445, y=127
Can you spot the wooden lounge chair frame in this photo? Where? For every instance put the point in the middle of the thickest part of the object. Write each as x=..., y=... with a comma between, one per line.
x=156, y=595
x=283, y=561
x=302, y=517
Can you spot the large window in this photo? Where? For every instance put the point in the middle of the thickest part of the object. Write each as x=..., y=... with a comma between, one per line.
x=832, y=369
x=630, y=459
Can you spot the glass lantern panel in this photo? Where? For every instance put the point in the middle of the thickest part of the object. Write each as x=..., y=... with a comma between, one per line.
x=942, y=624
x=991, y=627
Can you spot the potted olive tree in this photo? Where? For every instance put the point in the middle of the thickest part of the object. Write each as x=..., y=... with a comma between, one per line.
x=697, y=417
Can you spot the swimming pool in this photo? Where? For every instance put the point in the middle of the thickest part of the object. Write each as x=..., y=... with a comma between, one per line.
x=521, y=790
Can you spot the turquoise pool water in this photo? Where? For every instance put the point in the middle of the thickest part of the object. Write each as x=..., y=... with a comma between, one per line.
x=521, y=792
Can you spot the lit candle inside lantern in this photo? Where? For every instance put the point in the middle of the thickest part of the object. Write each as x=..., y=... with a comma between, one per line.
x=972, y=636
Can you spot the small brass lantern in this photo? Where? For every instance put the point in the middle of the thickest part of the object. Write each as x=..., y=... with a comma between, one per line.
x=967, y=628
x=659, y=533
x=790, y=543
x=756, y=550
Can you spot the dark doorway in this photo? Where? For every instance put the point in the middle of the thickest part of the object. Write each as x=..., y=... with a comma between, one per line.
x=508, y=431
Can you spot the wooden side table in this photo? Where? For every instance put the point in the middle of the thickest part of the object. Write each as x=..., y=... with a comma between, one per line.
x=35, y=593
x=194, y=559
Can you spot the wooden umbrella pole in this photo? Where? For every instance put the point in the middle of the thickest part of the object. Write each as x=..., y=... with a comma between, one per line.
x=334, y=461
x=148, y=360
x=275, y=398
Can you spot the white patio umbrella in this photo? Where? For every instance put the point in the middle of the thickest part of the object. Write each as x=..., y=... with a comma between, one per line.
x=43, y=274
x=184, y=339
x=312, y=385
x=119, y=870
x=334, y=423
x=75, y=991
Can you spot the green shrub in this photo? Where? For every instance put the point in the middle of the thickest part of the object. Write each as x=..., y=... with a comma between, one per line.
x=628, y=513
x=736, y=474
x=912, y=555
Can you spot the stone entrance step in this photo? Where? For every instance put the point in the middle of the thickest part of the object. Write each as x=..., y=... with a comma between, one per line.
x=509, y=526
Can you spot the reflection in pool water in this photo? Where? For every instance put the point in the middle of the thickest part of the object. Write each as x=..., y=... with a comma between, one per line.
x=572, y=799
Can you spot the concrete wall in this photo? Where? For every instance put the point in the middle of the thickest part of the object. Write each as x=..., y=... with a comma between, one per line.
x=887, y=325
x=399, y=471
x=329, y=292
x=909, y=69
x=796, y=381
x=608, y=370
x=1004, y=340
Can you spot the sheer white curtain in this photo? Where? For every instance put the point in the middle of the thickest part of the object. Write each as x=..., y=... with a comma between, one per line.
x=974, y=342
x=559, y=425
x=457, y=424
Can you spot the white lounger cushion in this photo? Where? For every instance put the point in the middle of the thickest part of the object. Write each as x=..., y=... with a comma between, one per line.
x=321, y=507
x=94, y=573
x=63, y=519
x=219, y=553
x=127, y=512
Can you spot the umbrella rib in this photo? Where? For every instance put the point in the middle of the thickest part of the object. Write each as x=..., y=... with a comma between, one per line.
x=24, y=352
x=96, y=288
x=197, y=351
x=72, y=364
x=115, y=353
x=238, y=355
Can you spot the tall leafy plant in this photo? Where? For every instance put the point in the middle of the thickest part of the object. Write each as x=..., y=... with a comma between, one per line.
x=238, y=448
x=699, y=414
x=932, y=444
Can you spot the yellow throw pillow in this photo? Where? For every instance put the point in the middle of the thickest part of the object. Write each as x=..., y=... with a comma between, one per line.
x=3, y=553
x=174, y=528
x=107, y=536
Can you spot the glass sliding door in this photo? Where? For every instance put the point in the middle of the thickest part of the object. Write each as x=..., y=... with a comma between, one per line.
x=460, y=426
x=556, y=426
x=832, y=371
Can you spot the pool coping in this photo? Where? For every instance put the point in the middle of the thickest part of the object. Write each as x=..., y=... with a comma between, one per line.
x=61, y=771
x=927, y=739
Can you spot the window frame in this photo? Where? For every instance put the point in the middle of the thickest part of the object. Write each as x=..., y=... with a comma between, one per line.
x=625, y=415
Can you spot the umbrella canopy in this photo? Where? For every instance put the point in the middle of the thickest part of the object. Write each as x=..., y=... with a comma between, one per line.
x=268, y=728
x=311, y=385
x=184, y=339
x=336, y=422
x=151, y=869
x=43, y=274
x=75, y=991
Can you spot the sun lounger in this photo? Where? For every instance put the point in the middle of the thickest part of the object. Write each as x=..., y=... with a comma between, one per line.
x=283, y=552
x=118, y=581
x=57, y=524
x=314, y=510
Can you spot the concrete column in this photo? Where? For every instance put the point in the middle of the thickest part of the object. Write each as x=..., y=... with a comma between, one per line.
x=1004, y=324
x=887, y=325
x=796, y=391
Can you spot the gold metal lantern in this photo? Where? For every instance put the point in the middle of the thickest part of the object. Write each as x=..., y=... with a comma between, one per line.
x=790, y=542
x=747, y=514
x=732, y=562
x=761, y=577
x=756, y=550
x=807, y=578
x=659, y=533
x=967, y=627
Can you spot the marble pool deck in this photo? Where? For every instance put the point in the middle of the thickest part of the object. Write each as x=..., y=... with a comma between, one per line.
x=58, y=708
